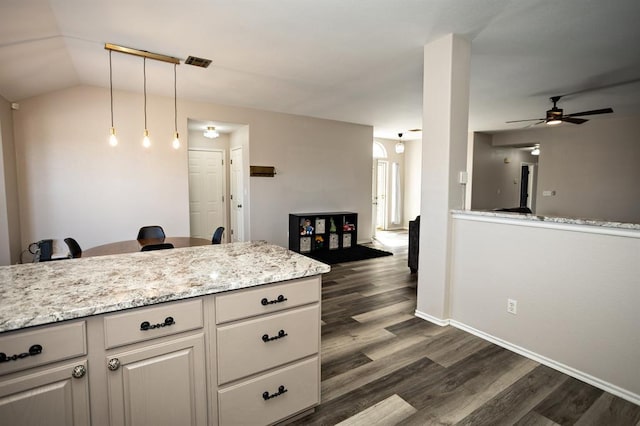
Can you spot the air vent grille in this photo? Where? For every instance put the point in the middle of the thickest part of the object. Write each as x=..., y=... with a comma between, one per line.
x=198, y=62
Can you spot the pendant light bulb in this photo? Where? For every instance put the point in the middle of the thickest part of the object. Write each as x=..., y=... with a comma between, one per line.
x=146, y=142
x=113, y=140
x=176, y=142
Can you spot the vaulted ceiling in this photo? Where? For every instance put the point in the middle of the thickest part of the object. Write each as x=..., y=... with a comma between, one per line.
x=349, y=60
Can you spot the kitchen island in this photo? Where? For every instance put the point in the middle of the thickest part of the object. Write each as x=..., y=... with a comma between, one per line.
x=220, y=334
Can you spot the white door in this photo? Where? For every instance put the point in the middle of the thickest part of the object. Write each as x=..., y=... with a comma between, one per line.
x=206, y=192
x=381, y=195
x=237, y=196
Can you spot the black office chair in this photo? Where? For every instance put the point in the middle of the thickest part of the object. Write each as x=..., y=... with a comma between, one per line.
x=161, y=246
x=217, y=235
x=147, y=232
x=74, y=248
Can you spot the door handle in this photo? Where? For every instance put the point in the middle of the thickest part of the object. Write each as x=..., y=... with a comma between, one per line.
x=239, y=206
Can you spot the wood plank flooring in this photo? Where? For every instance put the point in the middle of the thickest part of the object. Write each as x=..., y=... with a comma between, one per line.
x=383, y=366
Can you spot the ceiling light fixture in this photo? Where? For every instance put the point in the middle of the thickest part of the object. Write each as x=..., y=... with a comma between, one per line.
x=400, y=144
x=176, y=140
x=535, y=150
x=146, y=142
x=113, y=141
x=211, y=132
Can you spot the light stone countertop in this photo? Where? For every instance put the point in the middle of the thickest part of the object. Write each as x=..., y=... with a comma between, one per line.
x=42, y=293
x=549, y=219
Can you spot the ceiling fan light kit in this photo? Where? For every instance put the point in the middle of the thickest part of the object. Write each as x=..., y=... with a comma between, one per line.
x=556, y=115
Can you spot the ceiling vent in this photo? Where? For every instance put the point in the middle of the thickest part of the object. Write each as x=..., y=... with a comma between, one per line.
x=198, y=62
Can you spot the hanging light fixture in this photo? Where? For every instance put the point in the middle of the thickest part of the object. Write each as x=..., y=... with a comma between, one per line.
x=146, y=142
x=400, y=144
x=176, y=139
x=211, y=132
x=113, y=140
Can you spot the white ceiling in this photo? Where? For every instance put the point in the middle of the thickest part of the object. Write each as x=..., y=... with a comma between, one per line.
x=349, y=60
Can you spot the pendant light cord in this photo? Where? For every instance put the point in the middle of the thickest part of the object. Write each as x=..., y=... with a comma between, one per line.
x=111, y=87
x=144, y=74
x=175, y=98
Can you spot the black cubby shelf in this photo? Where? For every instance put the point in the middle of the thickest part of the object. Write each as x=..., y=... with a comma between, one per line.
x=312, y=232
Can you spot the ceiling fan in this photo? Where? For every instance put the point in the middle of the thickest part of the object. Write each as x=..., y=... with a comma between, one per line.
x=556, y=115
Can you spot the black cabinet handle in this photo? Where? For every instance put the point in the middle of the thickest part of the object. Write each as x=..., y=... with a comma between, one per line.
x=281, y=334
x=266, y=301
x=144, y=326
x=268, y=396
x=33, y=350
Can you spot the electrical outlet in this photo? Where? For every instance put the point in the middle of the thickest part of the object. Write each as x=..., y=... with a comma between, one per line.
x=512, y=306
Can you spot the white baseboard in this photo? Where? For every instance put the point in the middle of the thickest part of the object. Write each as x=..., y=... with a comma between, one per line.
x=436, y=321
x=563, y=368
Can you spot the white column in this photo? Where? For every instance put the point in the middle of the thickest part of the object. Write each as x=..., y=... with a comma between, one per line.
x=444, y=156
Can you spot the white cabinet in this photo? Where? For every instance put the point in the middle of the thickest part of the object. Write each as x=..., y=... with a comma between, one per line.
x=156, y=370
x=268, y=346
x=159, y=384
x=243, y=357
x=43, y=376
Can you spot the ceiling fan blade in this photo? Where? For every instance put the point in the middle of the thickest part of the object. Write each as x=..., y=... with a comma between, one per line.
x=592, y=112
x=534, y=124
x=574, y=120
x=520, y=121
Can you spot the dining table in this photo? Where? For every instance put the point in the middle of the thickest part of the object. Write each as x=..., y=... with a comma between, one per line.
x=131, y=246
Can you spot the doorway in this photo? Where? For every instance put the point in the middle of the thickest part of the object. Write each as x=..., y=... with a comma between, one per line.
x=528, y=186
x=237, y=196
x=207, y=184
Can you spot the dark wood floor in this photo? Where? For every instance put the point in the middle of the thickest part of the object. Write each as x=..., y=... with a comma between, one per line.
x=383, y=366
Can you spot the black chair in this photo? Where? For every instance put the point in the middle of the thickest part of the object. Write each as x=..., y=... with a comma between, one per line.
x=161, y=246
x=74, y=248
x=148, y=232
x=217, y=235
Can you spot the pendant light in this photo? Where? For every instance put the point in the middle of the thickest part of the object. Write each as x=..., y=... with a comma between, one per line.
x=176, y=140
x=399, y=145
x=146, y=142
x=113, y=140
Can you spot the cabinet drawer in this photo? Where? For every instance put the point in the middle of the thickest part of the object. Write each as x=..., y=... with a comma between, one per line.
x=297, y=387
x=266, y=299
x=252, y=346
x=57, y=342
x=150, y=323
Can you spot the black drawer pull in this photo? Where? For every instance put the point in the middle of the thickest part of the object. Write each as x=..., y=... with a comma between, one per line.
x=266, y=301
x=268, y=396
x=33, y=350
x=281, y=334
x=144, y=326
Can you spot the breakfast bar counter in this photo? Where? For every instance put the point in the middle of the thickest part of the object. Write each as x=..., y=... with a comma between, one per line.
x=208, y=335
x=42, y=293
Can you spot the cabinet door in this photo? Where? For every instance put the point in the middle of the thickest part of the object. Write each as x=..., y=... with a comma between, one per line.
x=51, y=397
x=162, y=384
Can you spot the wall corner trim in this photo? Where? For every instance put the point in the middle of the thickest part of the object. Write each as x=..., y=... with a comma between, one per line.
x=437, y=321
x=563, y=368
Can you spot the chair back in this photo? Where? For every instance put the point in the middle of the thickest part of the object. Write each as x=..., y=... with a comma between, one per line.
x=74, y=248
x=217, y=235
x=161, y=246
x=148, y=232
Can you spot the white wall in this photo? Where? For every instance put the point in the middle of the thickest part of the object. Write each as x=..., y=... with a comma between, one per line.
x=576, y=293
x=593, y=168
x=72, y=183
x=10, y=245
